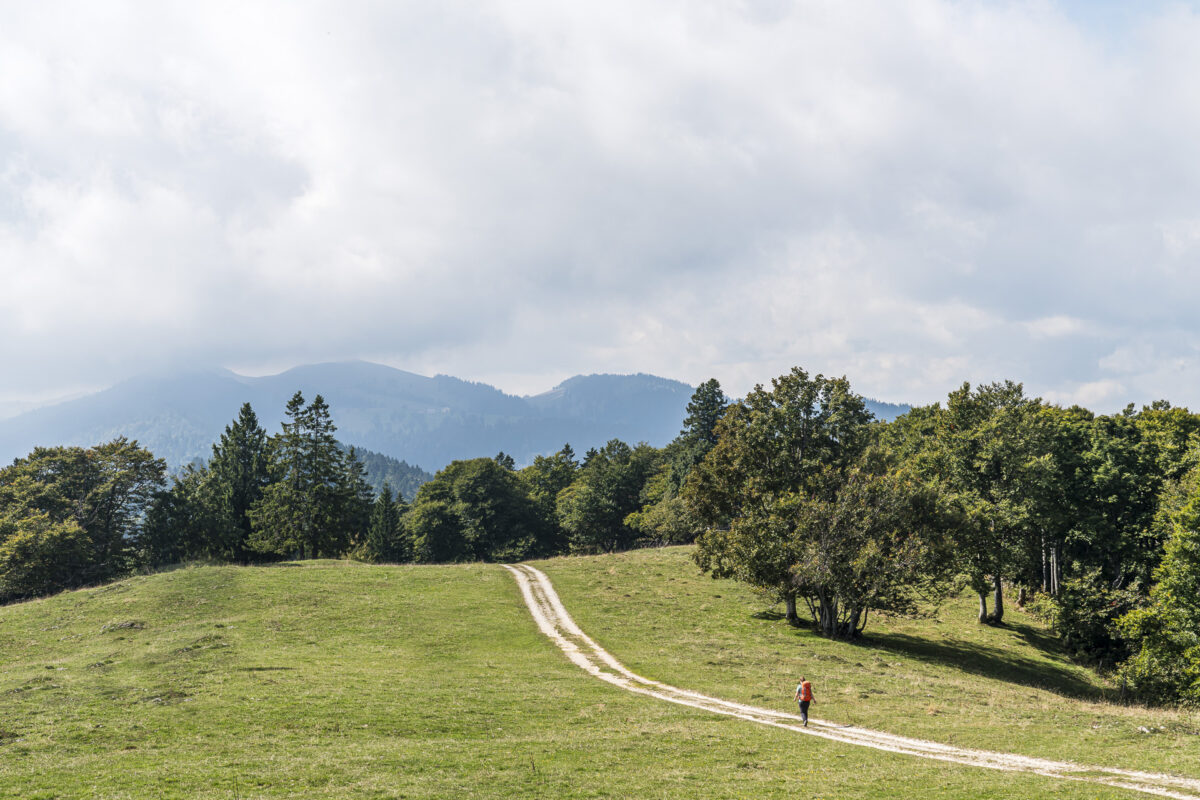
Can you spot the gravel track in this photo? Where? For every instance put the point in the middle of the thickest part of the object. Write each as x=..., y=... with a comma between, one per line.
x=554, y=621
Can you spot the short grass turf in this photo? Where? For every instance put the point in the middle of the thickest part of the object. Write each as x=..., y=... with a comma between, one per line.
x=338, y=680
x=944, y=677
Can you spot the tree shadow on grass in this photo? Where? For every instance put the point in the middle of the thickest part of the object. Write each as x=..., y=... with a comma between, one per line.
x=990, y=661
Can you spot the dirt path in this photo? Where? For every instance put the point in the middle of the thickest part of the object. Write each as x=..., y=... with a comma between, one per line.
x=554, y=621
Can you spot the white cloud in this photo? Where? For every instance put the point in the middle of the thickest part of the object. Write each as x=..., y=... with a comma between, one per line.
x=910, y=194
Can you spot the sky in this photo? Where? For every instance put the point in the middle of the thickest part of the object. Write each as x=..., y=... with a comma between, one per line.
x=910, y=194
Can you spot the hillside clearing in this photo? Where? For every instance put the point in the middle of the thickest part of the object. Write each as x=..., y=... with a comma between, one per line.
x=556, y=623
x=338, y=680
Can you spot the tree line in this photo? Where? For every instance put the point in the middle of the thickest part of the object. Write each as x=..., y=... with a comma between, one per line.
x=72, y=516
x=1090, y=520
x=1093, y=520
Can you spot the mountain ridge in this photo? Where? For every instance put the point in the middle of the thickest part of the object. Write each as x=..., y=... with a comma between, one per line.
x=424, y=421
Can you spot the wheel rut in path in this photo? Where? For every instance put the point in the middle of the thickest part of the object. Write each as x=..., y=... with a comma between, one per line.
x=554, y=621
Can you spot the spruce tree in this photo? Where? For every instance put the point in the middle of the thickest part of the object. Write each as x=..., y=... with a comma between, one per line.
x=237, y=475
x=303, y=511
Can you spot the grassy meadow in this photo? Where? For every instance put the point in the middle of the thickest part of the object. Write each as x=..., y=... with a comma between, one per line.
x=339, y=680
x=943, y=677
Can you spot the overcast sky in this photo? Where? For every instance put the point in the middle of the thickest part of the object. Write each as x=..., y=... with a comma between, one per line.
x=912, y=194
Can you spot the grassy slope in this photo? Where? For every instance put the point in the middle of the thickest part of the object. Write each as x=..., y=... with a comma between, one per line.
x=948, y=678
x=334, y=680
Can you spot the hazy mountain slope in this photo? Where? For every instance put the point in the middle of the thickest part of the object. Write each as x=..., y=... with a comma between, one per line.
x=426, y=422
x=423, y=421
x=403, y=477
x=886, y=411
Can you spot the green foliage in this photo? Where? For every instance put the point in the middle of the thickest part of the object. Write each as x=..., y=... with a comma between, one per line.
x=236, y=477
x=779, y=454
x=475, y=510
x=386, y=540
x=182, y=523
x=543, y=480
x=70, y=516
x=1165, y=636
x=318, y=501
x=39, y=556
x=664, y=517
x=593, y=510
x=1084, y=615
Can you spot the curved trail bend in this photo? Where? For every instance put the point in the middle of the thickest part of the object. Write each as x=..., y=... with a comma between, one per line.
x=554, y=621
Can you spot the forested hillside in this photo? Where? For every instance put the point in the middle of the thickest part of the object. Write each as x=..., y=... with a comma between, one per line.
x=427, y=422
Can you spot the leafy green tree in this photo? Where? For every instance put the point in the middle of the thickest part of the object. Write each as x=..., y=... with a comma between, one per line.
x=874, y=539
x=53, y=494
x=592, y=511
x=182, y=523
x=433, y=528
x=39, y=556
x=543, y=480
x=1165, y=636
x=994, y=457
x=664, y=517
x=474, y=510
x=774, y=450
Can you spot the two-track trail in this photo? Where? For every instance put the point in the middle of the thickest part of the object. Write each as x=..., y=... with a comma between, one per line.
x=554, y=621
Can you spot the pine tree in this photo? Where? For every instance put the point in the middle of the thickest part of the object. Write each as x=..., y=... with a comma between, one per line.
x=237, y=476
x=386, y=541
x=303, y=511
x=356, y=501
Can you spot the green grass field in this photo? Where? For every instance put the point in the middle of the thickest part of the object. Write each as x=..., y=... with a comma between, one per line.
x=945, y=678
x=338, y=680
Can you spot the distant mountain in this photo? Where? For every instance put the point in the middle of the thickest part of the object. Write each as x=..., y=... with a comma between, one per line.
x=423, y=421
x=403, y=416
x=886, y=412
x=400, y=475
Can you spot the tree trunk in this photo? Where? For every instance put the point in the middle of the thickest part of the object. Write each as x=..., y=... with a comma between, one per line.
x=792, y=618
x=983, y=615
x=852, y=624
x=998, y=612
x=1057, y=567
x=1046, y=584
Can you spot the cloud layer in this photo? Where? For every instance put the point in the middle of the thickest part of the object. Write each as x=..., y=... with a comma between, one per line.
x=911, y=194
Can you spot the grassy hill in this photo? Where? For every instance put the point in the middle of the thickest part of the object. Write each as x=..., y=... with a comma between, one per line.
x=338, y=680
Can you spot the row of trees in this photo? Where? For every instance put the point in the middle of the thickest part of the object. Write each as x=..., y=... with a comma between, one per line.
x=614, y=498
x=71, y=517
x=795, y=489
x=1093, y=518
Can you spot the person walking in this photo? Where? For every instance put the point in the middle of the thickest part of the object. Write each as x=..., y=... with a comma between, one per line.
x=804, y=696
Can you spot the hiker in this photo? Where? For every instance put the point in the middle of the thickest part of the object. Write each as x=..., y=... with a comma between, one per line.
x=804, y=696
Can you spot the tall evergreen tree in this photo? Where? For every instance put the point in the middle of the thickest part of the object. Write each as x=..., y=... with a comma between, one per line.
x=356, y=501
x=237, y=476
x=386, y=541
x=302, y=511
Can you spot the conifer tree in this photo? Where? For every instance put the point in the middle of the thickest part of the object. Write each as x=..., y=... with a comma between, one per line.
x=237, y=476
x=302, y=511
x=386, y=541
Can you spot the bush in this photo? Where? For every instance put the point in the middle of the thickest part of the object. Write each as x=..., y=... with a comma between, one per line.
x=1084, y=614
x=39, y=556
